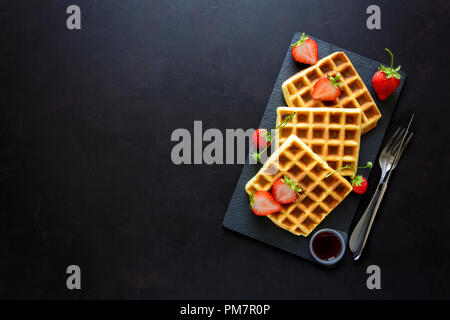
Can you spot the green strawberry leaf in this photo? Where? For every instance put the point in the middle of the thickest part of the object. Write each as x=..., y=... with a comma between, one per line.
x=299, y=42
x=336, y=80
x=357, y=181
x=286, y=120
x=390, y=71
x=251, y=200
x=267, y=136
x=368, y=165
x=292, y=184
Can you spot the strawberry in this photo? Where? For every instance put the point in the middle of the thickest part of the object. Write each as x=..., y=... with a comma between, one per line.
x=285, y=190
x=263, y=204
x=305, y=50
x=327, y=88
x=260, y=138
x=386, y=80
x=359, y=184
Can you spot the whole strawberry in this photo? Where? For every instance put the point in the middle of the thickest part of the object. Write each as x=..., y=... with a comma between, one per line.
x=260, y=138
x=359, y=184
x=386, y=80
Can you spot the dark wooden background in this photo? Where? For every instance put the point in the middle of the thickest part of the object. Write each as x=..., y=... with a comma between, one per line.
x=85, y=170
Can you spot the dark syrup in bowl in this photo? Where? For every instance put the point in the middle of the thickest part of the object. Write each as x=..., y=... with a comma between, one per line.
x=327, y=246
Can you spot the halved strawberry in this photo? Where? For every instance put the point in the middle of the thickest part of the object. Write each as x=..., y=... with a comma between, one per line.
x=305, y=50
x=263, y=204
x=285, y=190
x=327, y=88
x=260, y=138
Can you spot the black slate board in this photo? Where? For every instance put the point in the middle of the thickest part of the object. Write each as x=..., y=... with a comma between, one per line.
x=238, y=216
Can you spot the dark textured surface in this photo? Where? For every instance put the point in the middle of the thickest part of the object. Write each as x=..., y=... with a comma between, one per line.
x=86, y=176
x=240, y=219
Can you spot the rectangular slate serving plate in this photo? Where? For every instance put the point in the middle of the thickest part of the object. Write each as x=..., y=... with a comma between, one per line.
x=238, y=216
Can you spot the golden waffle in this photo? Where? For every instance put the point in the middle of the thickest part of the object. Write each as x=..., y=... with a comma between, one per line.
x=320, y=195
x=332, y=133
x=297, y=90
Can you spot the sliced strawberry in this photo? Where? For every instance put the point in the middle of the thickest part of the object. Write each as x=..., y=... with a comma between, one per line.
x=359, y=184
x=285, y=190
x=327, y=88
x=305, y=50
x=260, y=138
x=263, y=204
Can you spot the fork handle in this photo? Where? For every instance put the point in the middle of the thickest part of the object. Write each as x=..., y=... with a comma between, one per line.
x=361, y=232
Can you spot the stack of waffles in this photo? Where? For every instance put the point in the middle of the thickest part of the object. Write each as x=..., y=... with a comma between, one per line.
x=320, y=138
x=297, y=90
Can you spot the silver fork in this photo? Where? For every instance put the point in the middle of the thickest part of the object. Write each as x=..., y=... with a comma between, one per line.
x=388, y=161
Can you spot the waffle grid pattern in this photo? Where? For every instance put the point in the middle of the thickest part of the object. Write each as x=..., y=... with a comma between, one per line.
x=297, y=90
x=320, y=195
x=332, y=133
